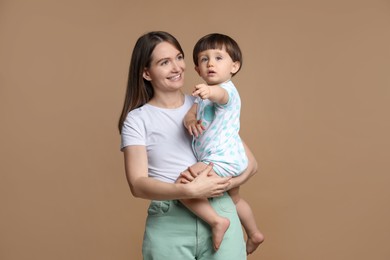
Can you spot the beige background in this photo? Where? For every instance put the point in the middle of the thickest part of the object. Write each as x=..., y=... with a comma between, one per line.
x=315, y=86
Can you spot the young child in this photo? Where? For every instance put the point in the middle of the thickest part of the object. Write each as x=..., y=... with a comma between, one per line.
x=214, y=121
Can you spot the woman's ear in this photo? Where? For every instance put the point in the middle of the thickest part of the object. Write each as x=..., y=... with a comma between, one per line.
x=146, y=75
x=235, y=67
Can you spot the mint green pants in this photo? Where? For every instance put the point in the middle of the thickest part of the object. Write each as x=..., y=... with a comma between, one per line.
x=174, y=233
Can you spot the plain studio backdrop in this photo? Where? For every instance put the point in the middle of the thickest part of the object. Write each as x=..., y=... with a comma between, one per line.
x=315, y=87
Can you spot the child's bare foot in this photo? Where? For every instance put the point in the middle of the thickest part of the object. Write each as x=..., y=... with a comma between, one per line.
x=253, y=241
x=218, y=231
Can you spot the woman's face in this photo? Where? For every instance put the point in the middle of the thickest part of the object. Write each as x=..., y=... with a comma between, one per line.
x=166, y=70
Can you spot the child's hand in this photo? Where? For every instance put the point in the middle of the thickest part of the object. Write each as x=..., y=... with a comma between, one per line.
x=202, y=90
x=194, y=127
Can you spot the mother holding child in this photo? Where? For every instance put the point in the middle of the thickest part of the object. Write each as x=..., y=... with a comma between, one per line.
x=192, y=182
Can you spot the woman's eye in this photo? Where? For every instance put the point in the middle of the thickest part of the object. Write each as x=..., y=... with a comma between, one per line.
x=180, y=57
x=165, y=62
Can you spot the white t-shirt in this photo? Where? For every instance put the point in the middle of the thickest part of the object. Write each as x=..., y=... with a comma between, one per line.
x=162, y=132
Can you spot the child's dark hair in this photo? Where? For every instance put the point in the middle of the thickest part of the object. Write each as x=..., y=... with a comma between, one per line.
x=218, y=41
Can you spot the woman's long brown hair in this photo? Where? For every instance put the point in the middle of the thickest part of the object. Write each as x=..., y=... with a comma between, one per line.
x=139, y=91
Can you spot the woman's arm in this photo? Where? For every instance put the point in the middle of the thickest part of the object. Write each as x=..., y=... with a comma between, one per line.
x=141, y=186
x=191, y=175
x=248, y=173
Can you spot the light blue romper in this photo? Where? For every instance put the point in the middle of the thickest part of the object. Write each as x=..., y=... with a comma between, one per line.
x=221, y=143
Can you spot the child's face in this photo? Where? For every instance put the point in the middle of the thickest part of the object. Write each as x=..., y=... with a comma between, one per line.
x=216, y=66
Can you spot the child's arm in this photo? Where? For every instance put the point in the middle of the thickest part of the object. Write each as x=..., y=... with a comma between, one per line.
x=214, y=93
x=193, y=125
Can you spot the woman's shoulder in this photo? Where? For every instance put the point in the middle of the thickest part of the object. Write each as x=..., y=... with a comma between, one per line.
x=136, y=115
x=137, y=111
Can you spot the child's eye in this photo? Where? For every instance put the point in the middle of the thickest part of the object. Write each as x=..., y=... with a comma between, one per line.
x=218, y=58
x=203, y=59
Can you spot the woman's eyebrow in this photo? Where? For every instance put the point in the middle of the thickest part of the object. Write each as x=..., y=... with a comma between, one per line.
x=167, y=58
x=162, y=59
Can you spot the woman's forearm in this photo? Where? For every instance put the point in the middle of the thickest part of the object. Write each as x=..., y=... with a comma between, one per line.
x=149, y=188
x=203, y=186
x=248, y=173
x=142, y=186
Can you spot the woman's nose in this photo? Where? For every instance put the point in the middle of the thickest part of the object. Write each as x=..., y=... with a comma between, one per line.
x=176, y=66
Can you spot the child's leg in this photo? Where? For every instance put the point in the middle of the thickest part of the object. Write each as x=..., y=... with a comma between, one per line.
x=203, y=209
x=255, y=237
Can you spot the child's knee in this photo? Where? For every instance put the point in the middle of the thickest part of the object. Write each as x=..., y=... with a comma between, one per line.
x=198, y=167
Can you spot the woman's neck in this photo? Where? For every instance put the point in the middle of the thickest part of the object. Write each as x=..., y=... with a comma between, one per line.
x=167, y=100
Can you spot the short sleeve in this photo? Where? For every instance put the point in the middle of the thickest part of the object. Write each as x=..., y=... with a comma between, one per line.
x=232, y=92
x=133, y=131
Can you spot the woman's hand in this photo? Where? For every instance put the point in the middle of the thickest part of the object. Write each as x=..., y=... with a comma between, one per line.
x=204, y=183
x=191, y=173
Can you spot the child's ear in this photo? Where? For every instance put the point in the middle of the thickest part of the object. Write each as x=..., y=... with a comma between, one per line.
x=197, y=70
x=235, y=67
x=146, y=75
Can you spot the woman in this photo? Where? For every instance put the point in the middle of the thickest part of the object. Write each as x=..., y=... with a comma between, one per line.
x=157, y=148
